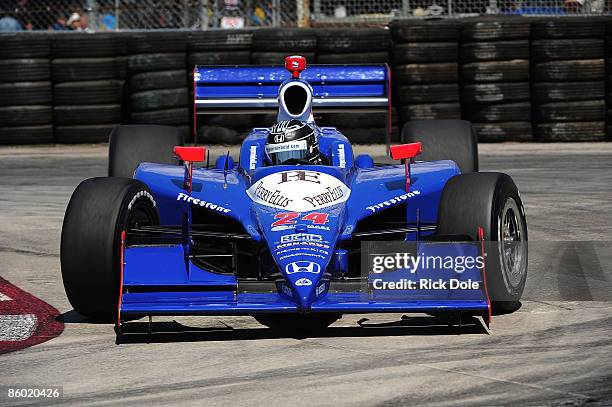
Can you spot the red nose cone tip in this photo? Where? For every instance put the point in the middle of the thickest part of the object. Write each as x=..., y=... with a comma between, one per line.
x=295, y=64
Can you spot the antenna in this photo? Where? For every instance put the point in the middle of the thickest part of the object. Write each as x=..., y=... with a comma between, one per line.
x=225, y=170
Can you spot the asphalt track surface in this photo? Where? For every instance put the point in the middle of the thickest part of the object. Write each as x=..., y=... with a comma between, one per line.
x=555, y=350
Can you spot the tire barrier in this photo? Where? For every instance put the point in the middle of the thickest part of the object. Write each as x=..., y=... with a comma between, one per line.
x=26, y=101
x=88, y=87
x=495, y=91
x=220, y=47
x=158, y=76
x=425, y=69
x=569, y=79
x=356, y=46
x=516, y=79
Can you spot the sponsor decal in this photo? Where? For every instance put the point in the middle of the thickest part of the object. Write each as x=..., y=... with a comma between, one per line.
x=302, y=267
x=341, y=156
x=302, y=244
x=301, y=237
x=393, y=201
x=140, y=195
x=303, y=282
x=289, y=146
x=302, y=254
x=274, y=198
x=253, y=157
x=200, y=202
x=298, y=191
x=320, y=289
x=300, y=248
x=287, y=227
x=327, y=197
x=286, y=290
x=310, y=176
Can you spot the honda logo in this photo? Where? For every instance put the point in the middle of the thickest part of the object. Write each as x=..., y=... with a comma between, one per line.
x=303, y=267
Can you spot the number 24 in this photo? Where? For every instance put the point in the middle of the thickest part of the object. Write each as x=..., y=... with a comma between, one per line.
x=289, y=218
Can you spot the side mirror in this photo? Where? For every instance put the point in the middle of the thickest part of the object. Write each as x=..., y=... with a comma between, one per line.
x=189, y=155
x=406, y=152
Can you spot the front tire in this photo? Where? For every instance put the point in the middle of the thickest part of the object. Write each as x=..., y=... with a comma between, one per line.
x=492, y=201
x=98, y=211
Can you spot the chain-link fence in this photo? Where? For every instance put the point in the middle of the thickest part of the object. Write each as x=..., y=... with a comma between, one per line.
x=112, y=15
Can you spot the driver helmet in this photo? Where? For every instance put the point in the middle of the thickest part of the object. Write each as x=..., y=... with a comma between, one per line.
x=293, y=140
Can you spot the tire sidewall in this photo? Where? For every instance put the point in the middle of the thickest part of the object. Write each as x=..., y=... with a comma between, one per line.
x=499, y=287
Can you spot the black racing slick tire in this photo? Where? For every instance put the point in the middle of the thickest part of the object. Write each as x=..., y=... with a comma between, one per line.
x=445, y=140
x=490, y=200
x=98, y=211
x=133, y=144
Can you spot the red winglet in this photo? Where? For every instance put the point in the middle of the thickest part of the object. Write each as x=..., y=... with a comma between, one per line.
x=190, y=154
x=484, y=274
x=295, y=64
x=404, y=151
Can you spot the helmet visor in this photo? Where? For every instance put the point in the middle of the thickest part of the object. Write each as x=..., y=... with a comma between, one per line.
x=279, y=153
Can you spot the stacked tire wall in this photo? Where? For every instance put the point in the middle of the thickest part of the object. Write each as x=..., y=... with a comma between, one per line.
x=516, y=79
x=158, y=80
x=26, y=112
x=495, y=92
x=356, y=46
x=425, y=69
x=88, y=87
x=569, y=80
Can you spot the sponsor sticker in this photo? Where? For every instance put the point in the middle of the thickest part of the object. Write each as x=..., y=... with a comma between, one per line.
x=252, y=157
x=341, y=156
x=289, y=146
x=301, y=237
x=298, y=191
x=303, y=282
x=200, y=202
x=393, y=201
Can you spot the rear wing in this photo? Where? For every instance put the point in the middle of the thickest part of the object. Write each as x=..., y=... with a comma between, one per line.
x=254, y=89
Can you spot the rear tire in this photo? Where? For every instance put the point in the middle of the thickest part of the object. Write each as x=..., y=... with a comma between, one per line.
x=98, y=211
x=490, y=200
x=131, y=145
x=445, y=140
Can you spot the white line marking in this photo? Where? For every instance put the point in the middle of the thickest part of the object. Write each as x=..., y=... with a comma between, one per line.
x=17, y=327
x=5, y=297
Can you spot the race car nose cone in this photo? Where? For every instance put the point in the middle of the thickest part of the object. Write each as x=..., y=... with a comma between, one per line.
x=303, y=276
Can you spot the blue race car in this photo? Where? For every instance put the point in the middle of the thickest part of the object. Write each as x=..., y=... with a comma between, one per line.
x=285, y=233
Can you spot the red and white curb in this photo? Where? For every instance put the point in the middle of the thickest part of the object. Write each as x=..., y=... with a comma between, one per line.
x=25, y=320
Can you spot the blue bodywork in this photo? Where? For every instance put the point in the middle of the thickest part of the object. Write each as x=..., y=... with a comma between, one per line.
x=306, y=244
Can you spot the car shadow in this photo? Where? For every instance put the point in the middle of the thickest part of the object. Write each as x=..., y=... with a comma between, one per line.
x=173, y=331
